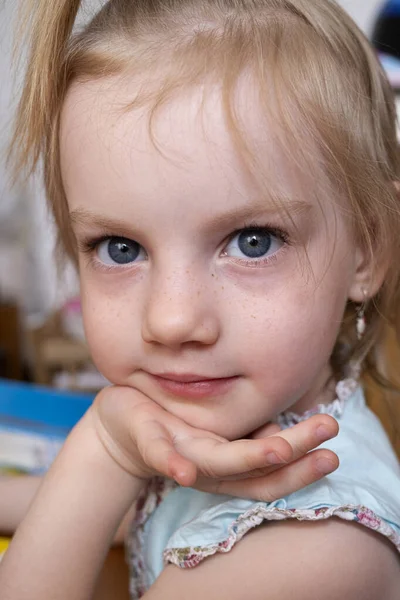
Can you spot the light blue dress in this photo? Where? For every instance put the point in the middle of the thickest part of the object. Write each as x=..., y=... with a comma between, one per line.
x=184, y=526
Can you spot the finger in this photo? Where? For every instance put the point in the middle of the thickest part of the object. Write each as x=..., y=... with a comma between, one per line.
x=244, y=459
x=265, y=431
x=216, y=459
x=280, y=483
x=309, y=434
x=159, y=454
x=303, y=438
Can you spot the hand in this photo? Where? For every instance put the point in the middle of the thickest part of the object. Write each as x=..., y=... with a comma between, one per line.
x=146, y=440
x=306, y=465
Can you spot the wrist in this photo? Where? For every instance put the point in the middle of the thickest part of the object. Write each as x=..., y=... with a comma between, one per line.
x=84, y=450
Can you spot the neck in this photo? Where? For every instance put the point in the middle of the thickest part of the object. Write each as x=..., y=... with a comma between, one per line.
x=322, y=392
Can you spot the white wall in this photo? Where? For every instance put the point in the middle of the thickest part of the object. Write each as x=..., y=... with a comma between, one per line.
x=27, y=269
x=362, y=11
x=11, y=200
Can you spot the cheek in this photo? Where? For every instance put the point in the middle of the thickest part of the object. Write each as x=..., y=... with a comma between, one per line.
x=109, y=325
x=290, y=330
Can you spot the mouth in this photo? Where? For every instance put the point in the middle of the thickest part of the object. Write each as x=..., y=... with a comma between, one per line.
x=192, y=386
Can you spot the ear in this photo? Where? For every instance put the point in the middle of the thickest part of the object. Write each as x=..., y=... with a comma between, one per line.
x=369, y=274
x=368, y=277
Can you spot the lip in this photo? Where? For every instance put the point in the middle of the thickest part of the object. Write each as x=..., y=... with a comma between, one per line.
x=193, y=386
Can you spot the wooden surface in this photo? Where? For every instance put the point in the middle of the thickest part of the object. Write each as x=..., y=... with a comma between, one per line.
x=53, y=350
x=113, y=583
x=9, y=340
x=385, y=402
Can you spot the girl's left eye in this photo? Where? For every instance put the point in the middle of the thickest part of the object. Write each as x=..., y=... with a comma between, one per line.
x=254, y=243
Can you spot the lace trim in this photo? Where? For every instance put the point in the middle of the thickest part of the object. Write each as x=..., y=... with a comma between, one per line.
x=344, y=390
x=149, y=500
x=191, y=556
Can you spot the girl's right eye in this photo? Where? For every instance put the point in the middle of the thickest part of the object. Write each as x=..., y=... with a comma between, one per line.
x=119, y=251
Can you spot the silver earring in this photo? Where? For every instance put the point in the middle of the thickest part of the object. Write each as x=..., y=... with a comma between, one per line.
x=361, y=323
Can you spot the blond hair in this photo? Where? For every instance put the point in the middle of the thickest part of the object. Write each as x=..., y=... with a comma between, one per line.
x=326, y=78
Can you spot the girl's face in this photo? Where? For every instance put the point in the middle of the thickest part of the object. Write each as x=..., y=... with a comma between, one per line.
x=197, y=290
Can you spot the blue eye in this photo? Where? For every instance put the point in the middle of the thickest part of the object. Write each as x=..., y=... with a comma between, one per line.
x=254, y=243
x=120, y=251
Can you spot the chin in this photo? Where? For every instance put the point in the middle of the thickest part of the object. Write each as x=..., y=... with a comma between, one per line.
x=221, y=427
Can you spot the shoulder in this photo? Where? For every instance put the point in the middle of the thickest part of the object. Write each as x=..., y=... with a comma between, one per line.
x=285, y=560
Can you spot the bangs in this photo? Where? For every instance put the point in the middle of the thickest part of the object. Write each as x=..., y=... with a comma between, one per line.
x=310, y=91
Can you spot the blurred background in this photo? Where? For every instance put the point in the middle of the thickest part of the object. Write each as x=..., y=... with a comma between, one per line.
x=47, y=380
x=41, y=335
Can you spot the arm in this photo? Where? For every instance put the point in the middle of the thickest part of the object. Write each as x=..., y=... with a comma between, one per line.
x=124, y=526
x=16, y=495
x=330, y=560
x=61, y=545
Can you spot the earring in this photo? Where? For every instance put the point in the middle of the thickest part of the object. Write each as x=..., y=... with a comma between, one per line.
x=361, y=323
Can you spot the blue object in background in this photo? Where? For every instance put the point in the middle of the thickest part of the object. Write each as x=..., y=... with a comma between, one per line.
x=34, y=422
x=386, y=33
x=41, y=405
x=391, y=8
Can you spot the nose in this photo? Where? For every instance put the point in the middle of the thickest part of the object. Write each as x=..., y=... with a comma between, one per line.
x=179, y=310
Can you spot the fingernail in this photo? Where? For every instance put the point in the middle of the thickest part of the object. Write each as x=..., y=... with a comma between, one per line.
x=274, y=459
x=325, y=466
x=323, y=433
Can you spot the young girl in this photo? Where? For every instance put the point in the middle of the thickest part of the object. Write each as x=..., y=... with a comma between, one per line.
x=225, y=175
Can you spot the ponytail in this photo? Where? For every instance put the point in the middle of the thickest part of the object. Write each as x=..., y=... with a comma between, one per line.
x=46, y=25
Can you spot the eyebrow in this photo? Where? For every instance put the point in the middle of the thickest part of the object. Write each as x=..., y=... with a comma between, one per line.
x=283, y=207
x=85, y=218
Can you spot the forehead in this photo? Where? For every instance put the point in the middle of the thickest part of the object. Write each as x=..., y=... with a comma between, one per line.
x=109, y=145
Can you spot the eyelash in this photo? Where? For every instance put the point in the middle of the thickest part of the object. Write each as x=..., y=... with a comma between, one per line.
x=89, y=246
